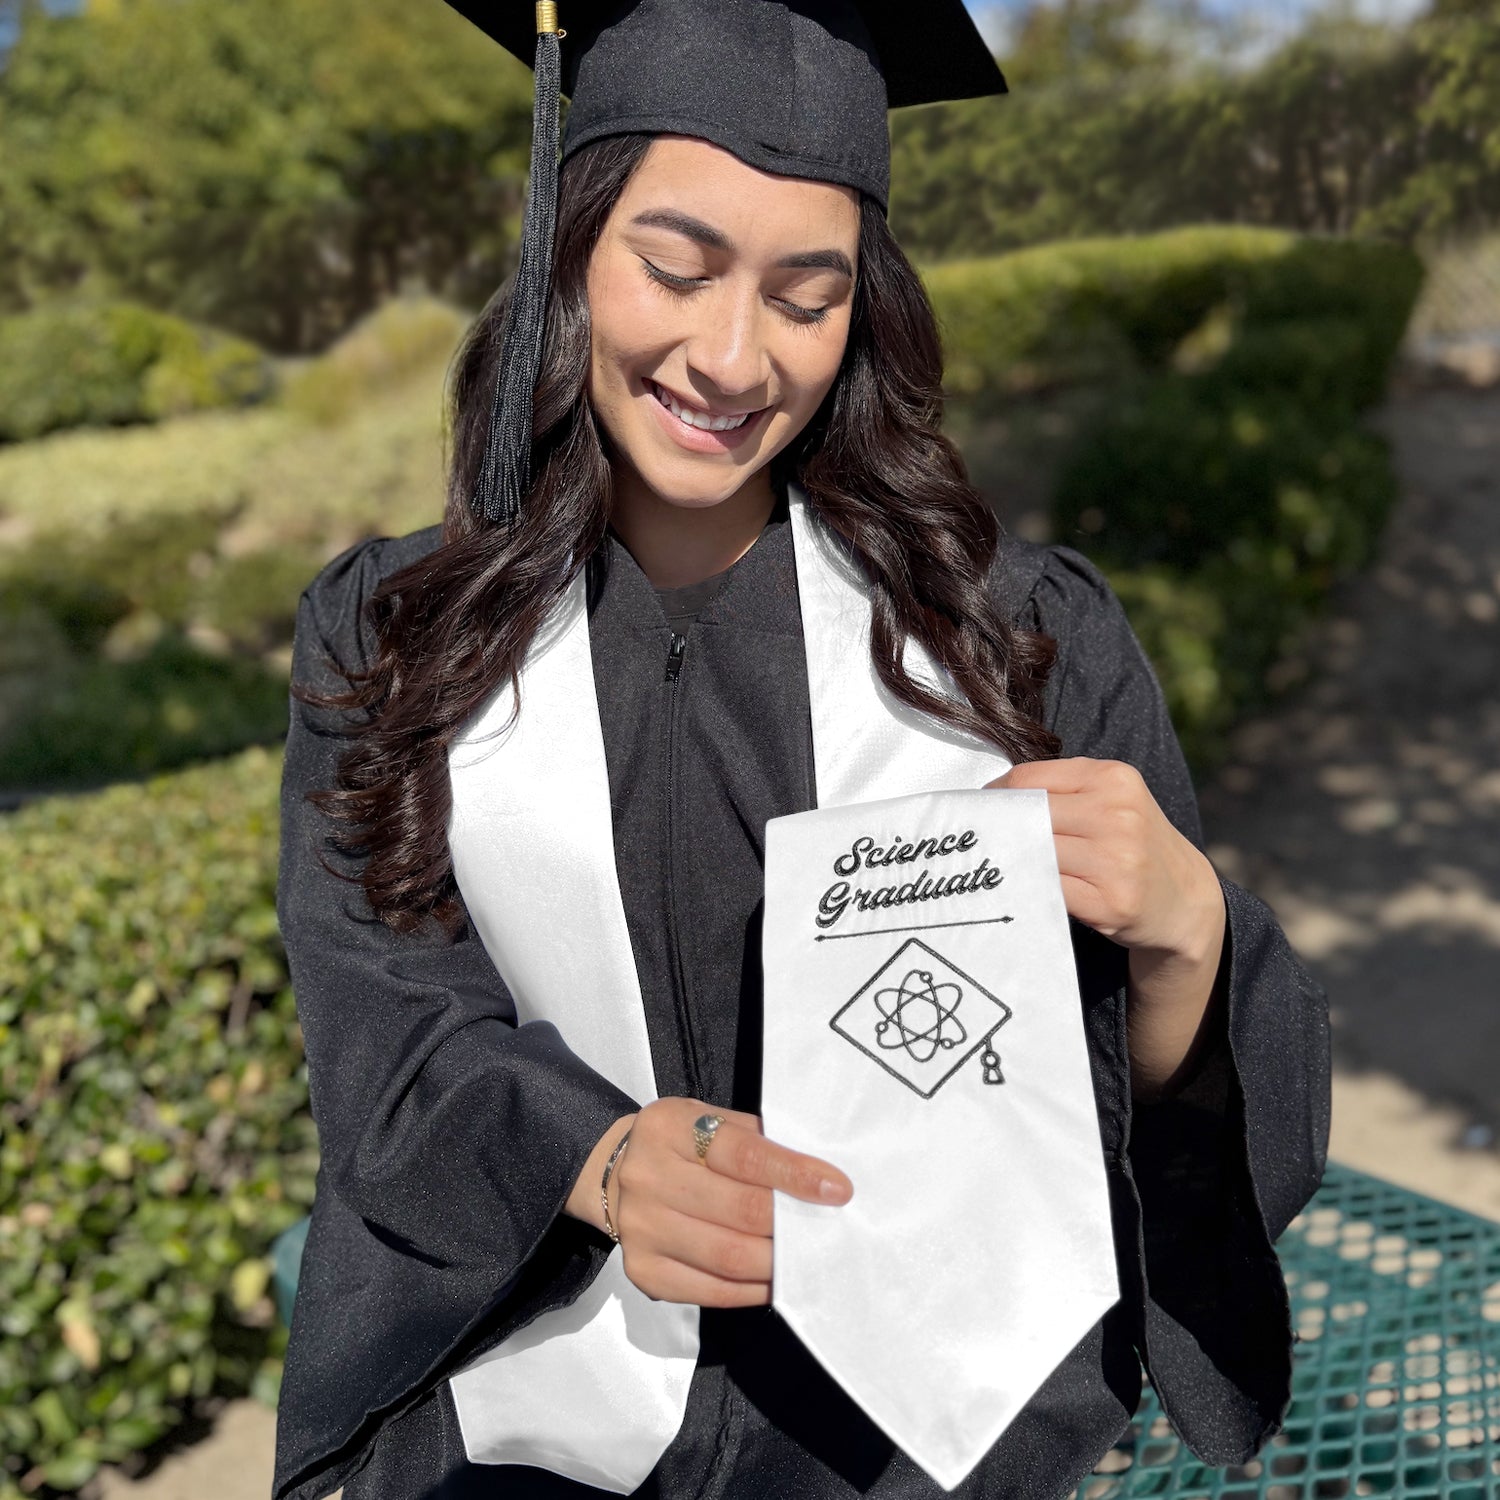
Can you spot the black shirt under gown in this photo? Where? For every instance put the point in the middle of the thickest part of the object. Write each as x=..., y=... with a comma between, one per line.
x=450, y=1136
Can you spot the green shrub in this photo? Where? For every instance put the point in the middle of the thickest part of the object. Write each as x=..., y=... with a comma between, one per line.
x=88, y=580
x=251, y=599
x=280, y=477
x=169, y=566
x=1218, y=470
x=1092, y=309
x=1222, y=638
x=155, y=648
x=1176, y=475
x=96, y=720
x=401, y=336
x=164, y=565
x=1181, y=623
x=154, y=1133
x=106, y=364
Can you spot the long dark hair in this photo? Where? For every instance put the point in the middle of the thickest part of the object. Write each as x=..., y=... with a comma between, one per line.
x=456, y=623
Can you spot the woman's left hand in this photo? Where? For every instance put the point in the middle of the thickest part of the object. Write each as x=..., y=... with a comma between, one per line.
x=1129, y=874
x=1126, y=871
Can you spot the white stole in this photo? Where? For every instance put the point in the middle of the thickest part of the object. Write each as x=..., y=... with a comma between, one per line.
x=597, y=1390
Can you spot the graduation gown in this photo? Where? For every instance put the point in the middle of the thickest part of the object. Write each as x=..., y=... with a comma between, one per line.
x=451, y=1136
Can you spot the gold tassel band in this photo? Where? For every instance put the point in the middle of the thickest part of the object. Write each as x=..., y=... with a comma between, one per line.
x=546, y=18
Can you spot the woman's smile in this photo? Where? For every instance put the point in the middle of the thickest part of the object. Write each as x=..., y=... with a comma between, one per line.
x=699, y=429
x=720, y=299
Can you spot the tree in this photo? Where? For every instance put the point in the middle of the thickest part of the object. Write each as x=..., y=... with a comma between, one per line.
x=271, y=166
x=1121, y=121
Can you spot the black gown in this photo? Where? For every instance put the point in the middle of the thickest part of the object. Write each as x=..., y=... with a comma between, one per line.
x=451, y=1136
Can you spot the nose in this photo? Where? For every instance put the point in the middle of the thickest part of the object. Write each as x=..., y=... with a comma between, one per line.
x=727, y=347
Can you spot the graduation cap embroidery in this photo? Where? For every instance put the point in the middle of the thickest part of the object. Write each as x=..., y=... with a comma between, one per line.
x=922, y=1018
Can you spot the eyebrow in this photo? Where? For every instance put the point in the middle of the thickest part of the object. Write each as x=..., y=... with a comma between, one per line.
x=715, y=239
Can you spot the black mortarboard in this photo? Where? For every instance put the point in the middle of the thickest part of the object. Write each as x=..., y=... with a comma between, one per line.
x=798, y=87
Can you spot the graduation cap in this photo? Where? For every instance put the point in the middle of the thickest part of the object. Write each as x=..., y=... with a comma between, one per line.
x=797, y=87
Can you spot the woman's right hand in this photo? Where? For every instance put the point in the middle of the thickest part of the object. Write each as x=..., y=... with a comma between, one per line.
x=699, y=1231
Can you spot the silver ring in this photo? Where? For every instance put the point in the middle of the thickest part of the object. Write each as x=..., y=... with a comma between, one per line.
x=703, y=1132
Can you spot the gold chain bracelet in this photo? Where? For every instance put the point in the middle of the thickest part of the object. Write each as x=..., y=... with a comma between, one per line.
x=609, y=1167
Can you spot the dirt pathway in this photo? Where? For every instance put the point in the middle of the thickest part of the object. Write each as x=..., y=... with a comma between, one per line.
x=1367, y=812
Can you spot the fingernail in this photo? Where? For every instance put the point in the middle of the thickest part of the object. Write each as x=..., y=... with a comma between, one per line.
x=831, y=1190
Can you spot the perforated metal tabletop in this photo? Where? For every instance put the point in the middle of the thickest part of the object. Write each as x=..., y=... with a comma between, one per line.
x=1396, y=1390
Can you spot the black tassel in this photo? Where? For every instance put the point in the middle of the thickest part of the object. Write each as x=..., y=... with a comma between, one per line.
x=506, y=474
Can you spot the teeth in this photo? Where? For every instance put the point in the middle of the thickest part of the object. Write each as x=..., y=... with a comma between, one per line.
x=691, y=417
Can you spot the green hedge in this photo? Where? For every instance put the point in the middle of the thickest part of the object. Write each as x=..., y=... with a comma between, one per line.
x=107, y=364
x=139, y=647
x=154, y=1133
x=1222, y=477
x=1090, y=309
x=150, y=574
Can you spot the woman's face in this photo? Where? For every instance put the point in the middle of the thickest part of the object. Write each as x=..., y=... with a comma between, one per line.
x=719, y=298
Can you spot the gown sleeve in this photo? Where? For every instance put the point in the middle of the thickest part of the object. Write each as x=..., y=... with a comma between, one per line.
x=1204, y=1181
x=450, y=1136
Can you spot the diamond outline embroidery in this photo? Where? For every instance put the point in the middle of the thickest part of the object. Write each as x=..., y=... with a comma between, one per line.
x=947, y=963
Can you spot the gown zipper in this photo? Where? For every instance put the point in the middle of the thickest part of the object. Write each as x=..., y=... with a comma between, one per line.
x=675, y=653
x=674, y=656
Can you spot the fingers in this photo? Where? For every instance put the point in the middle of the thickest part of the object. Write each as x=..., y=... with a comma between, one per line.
x=701, y=1231
x=720, y=1199
x=747, y=1156
x=739, y=1149
x=1069, y=774
x=667, y=1280
x=1075, y=773
x=723, y=1253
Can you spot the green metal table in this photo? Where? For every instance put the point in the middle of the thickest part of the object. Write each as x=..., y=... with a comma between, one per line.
x=1396, y=1390
x=1396, y=1385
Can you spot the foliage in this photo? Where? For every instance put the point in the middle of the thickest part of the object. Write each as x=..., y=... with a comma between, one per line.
x=280, y=169
x=1258, y=307
x=270, y=167
x=1225, y=483
x=405, y=336
x=1222, y=528
x=139, y=647
x=97, y=720
x=1118, y=125
x=1225, y=369
x=72, y=364
x=270, y=476
x=1453, y=140
x=149, y=588
x=1178, y=476
x=154, y=1133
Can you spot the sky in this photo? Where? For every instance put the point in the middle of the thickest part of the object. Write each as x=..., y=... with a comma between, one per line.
x=1274, y=19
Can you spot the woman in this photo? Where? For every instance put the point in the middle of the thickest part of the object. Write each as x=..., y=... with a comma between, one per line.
x=727, y=342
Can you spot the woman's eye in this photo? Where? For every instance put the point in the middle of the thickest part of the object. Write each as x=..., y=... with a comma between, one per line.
x=667, y=279
x=800, y=314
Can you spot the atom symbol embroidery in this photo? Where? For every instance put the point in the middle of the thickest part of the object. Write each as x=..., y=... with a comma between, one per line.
x=905, y=1018
x=920, y=1016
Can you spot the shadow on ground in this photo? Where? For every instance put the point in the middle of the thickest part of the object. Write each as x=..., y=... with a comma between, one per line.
x=1366, y=810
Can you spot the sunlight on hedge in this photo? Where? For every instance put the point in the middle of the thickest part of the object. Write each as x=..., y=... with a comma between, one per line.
x=73, y=364
x=154, y=1134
